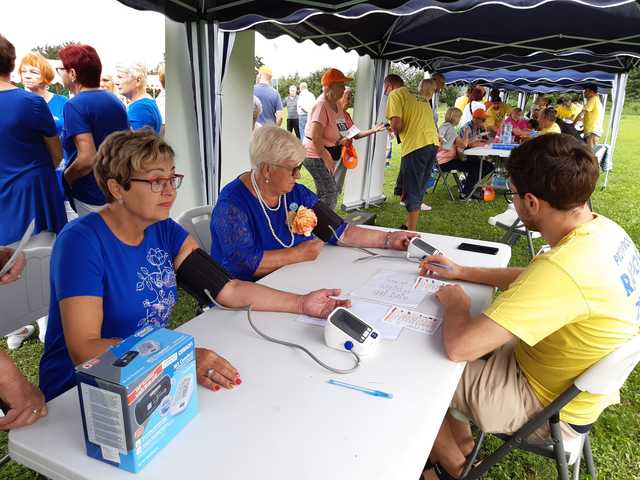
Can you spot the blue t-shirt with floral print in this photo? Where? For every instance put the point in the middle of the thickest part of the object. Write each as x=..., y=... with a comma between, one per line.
x=137, y=285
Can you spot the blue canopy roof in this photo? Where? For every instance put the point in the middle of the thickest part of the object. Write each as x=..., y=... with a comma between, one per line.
x=438, y=34
x=529, y=76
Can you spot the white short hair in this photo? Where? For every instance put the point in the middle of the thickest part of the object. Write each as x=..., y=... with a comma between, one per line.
x=274, y=146
x=303, y=85
x=134, y=70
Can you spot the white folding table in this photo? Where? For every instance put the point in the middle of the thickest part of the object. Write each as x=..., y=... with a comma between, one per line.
x=484, y=153
x=285, y=421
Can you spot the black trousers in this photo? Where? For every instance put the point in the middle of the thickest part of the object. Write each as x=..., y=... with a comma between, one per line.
x=293, y=126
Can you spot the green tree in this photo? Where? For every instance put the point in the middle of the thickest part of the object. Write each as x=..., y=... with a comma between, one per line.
x=52, y=52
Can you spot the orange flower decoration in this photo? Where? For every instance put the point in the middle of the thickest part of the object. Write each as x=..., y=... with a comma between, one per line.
x=302, y=221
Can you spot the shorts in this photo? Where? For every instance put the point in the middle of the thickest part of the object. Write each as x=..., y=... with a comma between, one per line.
x=415, y=171
x=496, y=396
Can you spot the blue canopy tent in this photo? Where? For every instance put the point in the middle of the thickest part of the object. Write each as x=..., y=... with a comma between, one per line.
x=431, y=34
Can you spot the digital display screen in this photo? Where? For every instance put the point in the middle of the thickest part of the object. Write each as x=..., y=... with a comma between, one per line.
x=349, y=324
x=422, y=245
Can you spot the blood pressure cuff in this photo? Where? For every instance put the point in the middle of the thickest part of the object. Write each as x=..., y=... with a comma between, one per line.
x=199, y=272
x=327, y=220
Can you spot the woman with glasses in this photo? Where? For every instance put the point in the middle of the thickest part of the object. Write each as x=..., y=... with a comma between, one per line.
x=113, y=272
x=89, y=117
x=252, y=233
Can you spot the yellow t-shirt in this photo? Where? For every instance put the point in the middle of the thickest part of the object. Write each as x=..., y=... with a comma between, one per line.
x=564, y=113
x=593, y=116
x=496, y=116
x=571, y=307
x=461, y=102
x=554, y=128
x=418, y=125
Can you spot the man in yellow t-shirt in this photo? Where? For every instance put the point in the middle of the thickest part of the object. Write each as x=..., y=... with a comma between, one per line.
x=412, y=122
x=496, y=113
x=567, y=310
x=592, y=116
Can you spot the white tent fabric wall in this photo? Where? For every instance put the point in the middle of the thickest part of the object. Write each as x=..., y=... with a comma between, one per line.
x=364, y=185
x=209, y=51
x=618, y=95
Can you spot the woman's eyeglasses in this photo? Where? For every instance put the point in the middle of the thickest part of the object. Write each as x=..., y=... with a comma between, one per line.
x=60, y=70
x=294, y=171
x=160, y=183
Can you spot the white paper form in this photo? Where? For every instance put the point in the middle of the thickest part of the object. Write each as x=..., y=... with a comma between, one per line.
x=392, y=288
x=371, y=313
x=417, y=321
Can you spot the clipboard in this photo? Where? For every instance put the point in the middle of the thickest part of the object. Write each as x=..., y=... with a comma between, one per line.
x=23, y=242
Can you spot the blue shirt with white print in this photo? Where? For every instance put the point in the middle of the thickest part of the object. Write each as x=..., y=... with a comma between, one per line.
x=137, y=285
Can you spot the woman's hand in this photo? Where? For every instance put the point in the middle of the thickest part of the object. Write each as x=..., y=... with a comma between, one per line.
x=320, y=304
x=440, y=266
x=215, y=372
x=14, y=273
x=328, y=161
x=379, y=128
x=25, y=401
x=400, y=240
x=308, y=251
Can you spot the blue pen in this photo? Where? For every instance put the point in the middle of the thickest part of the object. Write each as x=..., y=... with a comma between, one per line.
x=368, y=391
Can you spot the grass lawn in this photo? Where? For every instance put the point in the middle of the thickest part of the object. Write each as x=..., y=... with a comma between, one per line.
x=616, y=436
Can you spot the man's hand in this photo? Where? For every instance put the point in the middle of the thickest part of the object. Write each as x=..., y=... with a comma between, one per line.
x=320, y=304
x=453, y=297
x=440, y=266
x=14, y=273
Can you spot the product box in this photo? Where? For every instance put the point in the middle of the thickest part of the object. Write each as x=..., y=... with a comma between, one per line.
x=137, y=396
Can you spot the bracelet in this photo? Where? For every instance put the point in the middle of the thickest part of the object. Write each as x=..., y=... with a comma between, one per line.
x=387, y=240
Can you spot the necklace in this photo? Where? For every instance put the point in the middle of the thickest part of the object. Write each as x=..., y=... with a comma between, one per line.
x=263, y=204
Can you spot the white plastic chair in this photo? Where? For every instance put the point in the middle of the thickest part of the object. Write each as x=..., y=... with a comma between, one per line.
x=509, y=221
x=604, y=377
x=196, y=222
x=27, y=299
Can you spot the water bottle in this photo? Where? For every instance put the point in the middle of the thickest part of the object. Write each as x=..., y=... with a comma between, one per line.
x=507, y=129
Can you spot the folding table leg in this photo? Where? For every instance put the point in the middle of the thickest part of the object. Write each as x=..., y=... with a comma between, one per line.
x=558, y=448
x=588, y=457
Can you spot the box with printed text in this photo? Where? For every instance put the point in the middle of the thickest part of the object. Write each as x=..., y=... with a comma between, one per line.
x=137, y=396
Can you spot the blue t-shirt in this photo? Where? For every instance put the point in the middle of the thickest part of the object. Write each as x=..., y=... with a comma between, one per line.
x=137, y=286
x=99, y=113
x=271, y=102
x=144, y=113
x=240, y=233
x=27, y=179
x=56, y=105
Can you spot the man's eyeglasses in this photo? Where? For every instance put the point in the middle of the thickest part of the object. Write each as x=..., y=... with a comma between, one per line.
x=508, y=195
x=160, y=183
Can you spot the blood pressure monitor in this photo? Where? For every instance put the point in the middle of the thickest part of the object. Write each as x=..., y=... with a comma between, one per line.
x=418, y=249
x=345, y=331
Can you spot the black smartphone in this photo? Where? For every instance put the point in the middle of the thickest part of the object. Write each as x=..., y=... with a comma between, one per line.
x=473, y=247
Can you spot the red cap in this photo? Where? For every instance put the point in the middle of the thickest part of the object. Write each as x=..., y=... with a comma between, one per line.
x=333, y=75
x=479, y=113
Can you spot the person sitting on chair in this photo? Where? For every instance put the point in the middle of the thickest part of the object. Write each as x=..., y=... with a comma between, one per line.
x=448, y=153
x=571, y=306
x=252, y=232
x=116, y=271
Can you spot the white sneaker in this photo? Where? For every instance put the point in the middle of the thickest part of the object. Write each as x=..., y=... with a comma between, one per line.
x=42, y=327
x=424, y=207
x=15, y=339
